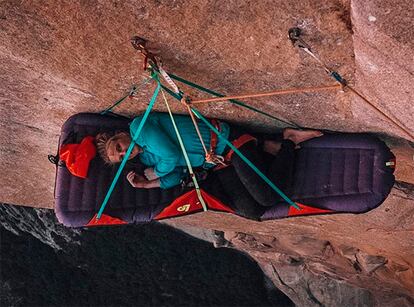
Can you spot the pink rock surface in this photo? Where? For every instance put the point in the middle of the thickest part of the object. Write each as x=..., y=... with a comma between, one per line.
x=75, y=56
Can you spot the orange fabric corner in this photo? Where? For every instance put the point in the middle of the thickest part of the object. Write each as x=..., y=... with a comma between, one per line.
x=77, y=157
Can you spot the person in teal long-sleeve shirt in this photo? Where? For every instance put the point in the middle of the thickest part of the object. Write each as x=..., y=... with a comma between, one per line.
x=158, y=148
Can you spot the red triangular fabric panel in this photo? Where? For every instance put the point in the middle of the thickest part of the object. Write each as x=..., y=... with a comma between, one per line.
x=105, y=220
x=189, y=203
x=306, y=210
x=184, y=204
x=214, y=203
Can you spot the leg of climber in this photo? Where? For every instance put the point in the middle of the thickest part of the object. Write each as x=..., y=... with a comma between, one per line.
x=280, y=170
x=282, y=166
x=253, y=183
x=299, y=136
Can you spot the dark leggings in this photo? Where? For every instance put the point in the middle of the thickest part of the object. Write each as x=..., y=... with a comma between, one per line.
x=279, y=170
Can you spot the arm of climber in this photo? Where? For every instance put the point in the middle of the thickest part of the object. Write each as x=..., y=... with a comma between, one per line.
x=168, y=181
x=173, y=178
x=158, y=147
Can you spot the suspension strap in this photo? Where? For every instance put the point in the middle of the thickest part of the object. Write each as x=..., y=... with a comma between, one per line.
x=168, y=79
x=245, y=159
x=197, y=129
x=127, y=154
x=132, y=93
x=187, y=160
x=233, y=101
x=210, y=156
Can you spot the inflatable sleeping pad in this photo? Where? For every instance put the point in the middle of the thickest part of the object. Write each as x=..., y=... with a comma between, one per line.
x=334, y=173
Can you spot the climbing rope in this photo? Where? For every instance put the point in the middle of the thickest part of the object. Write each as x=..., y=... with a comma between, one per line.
x=272, y=93
x=295, y=37
x=233, y=101
x=243, y=157
x=186, y=158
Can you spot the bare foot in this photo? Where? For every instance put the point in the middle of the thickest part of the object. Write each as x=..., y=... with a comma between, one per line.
x=299, y=136
x=271, y=147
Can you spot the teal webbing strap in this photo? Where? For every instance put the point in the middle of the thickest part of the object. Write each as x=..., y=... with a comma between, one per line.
x=132, y=91
x=237, y=102
x=186, y=158
x=114, y=105
x=245, y=159
x=175, y=95
x=131, y=146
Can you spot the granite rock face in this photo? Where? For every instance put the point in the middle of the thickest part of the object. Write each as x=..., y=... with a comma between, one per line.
x=57, y=60
x=336, y=260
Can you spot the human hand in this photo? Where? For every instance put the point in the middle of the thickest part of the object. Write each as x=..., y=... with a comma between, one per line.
x=137, y=181
x=150, y=174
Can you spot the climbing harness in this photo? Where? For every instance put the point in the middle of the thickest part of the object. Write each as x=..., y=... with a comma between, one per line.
x=297, y=41
x=246, y=160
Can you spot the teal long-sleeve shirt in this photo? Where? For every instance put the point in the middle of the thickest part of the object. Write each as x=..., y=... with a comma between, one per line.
x=161, y=149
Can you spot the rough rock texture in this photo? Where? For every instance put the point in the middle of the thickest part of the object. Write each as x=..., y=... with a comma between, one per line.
x=56, y=60
x=337, y=260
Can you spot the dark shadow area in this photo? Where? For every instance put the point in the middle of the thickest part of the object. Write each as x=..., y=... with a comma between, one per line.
x=144, y=265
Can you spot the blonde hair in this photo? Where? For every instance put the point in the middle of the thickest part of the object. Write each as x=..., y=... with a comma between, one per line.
x=104, y=139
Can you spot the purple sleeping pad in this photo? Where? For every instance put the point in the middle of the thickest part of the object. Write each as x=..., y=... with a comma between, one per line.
x=341, y=172
x=77, y=200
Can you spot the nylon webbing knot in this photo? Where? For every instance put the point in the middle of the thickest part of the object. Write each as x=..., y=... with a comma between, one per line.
x=212, y=158
x=186, y=100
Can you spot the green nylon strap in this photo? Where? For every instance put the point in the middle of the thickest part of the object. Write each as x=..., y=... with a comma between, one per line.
x=187, y=160
x=237, y=102
x=115, y=104
x=131, y=146
x=132, y=91
x=245, y=159
x=175, y=95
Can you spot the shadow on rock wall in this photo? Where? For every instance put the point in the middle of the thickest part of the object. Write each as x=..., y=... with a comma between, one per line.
x=45, y=264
